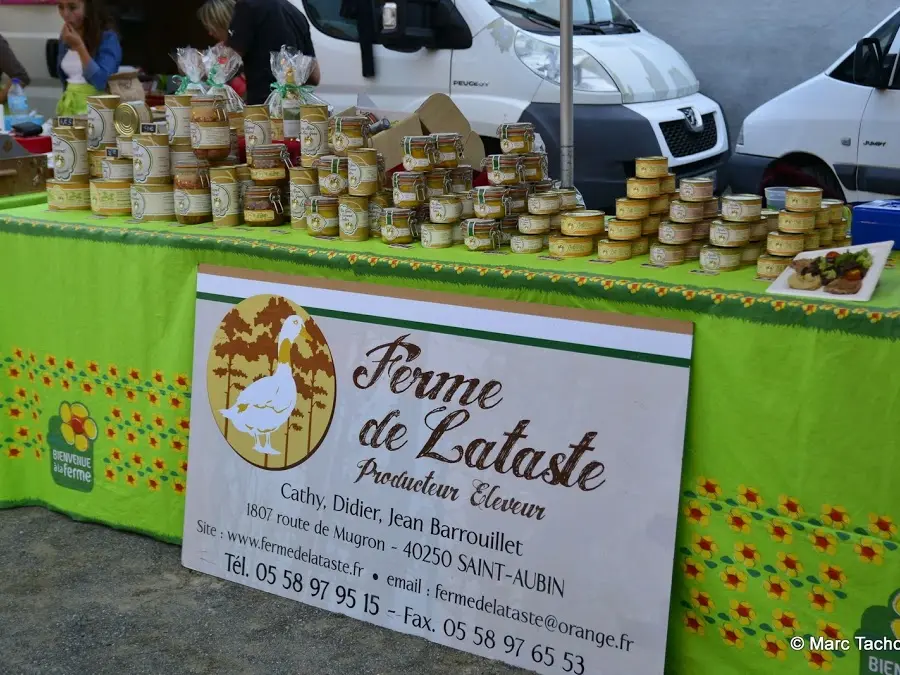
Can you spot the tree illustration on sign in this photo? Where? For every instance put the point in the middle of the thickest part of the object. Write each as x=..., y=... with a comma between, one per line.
x=237, y=332
x=271, y=316
x=317, y=365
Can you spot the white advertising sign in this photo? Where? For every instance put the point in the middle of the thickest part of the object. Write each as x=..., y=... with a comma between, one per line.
x=497, y=477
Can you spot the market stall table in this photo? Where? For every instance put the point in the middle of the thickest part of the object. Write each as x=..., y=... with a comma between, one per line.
x=787, y=521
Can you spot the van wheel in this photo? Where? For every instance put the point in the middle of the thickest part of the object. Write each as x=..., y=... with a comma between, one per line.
x=804, y=174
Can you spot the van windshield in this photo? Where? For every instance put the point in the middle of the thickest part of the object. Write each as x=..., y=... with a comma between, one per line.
x=584, y=12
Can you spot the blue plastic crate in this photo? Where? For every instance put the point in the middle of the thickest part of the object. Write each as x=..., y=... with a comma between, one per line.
x=877, y=221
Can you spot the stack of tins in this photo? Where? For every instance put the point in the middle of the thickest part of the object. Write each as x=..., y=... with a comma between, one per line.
x=736, y=237
x=519, y=208
x=648, y=195
x=807, y=223
x=69, y=189
x=110, y=186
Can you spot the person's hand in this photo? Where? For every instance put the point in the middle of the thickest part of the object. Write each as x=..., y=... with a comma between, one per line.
x=71, y=37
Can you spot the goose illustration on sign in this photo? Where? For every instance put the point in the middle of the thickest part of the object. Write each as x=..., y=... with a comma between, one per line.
x=273, y=354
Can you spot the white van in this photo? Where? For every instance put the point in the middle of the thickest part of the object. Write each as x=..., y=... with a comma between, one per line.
x=839, y=130
x=499, y=62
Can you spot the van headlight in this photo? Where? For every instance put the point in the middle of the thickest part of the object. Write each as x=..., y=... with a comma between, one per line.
x=543, y=59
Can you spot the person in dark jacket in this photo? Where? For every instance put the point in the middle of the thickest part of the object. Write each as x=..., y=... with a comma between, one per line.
x=257, y=28
x=89, y=52
x=12, y=68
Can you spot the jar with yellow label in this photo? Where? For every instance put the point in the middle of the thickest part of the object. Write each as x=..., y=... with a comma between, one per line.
x=64, y=196
x=270, y=164
x=482, y=234
x=467, y=204
x=503, y=169
x=632, y=209
x=741, y=208
x=278, y=128
x=796, y=222
x=193, y=205
x=666, y=255
x=785, y=244
x=518, y=200
x=535, y=168
x=526, y=243
x=313, y=133
x=362, y=171
x=728, y=235
x=613, y=251
x=257, y=128
x=623, y=230
x=715, y=259
x=110, y=197
x=640, y=246
x=419, y=153
x=436, y=235
x=398, y=226
x=562, y=246
x=152, y=203
x=642, y=188
x=438, y=182
x=803, y=199
x=445, y=209
x=378, y=202
x=303, y=186
x=771, y=266
x=516, y=138
x=210, y=131
x=449, y=148
x=225, y=196
x=651, y=167
x=650, y=224
x=461, y=179
x=322, y=218
x=491, y=202
x=151, y=160
x=543, y=203
x=353, y=218
x=675, y=233
x=534, y=224
x=262, y=206
x=409, y=189
x=333, y=175
x=350, y=133
x=509, y=226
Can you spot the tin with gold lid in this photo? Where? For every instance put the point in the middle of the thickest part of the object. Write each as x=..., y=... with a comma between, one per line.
x=785, y=243
x=100, y=115
x=811, y=241
x=759, y=230
x=116, y=168
x=526, y=243
x=178, y=118
x=711, y=208
x=111, y=197
x=534, y=224
x=696, y=189
x=741, y=208
x=128, y=117
x=623, y=230
x=667, y=184
x=582, y=223
x=225, y=196
x=751, y=252
x=796, y=222
x=543, y=203
x=803, y=199
x=692, y=250
x=71, y=163
x=151, y=203
x=701, y=230
x=685, y=212
x=659, y=206
x=436, y=235
x=568, y=199
x=728, y=235
x=716, y=259
x=632, y=209
x=666, y=255
x=642, y=188
x=835, y=210
x=640, y=246
x=770, y=266
x=313, y=133
x=151, y=159
x=675, y=233
x=823, y=217
x=650, y=224
x=613, y=251
x=362, y=171
x=353, y=218
x=562, y=246
x=826, y=235
x=651, y=167
x=65, y=196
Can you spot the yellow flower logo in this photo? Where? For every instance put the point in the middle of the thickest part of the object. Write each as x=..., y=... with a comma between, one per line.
x=697, y=512
x=702, y=601
x=869, y=551
x=77, y=426
x=835, y=516
x=819, y=660
x=704, y=546
x=742, y=612
x=821, y=599
x=789, y=564
x=824, y=541
x=692, y=623
x=746, y=553
x=707, y=487
x=779, y=531
x=749, y=496
x=737, y=521
x=790, y=507
x=786, y=621
x=732, y=636
x=833, y=574
x=734, y=579
x=882, y=526
x=773, y=647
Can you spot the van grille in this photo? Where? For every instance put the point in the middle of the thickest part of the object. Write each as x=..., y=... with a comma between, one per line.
x=683, y=142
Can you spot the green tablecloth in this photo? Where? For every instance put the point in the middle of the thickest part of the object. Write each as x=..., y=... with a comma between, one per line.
x=17, y=201
x=787, y=519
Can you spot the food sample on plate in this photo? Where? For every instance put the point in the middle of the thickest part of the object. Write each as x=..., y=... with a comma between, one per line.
x=838, y=273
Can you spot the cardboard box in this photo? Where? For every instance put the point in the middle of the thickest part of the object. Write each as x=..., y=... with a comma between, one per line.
x=438, y=114
x=127, y=85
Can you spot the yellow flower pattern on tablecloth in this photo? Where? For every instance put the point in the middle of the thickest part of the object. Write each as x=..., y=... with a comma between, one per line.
x=113, y=406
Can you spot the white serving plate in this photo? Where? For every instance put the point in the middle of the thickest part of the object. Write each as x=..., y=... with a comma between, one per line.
x=880, y=253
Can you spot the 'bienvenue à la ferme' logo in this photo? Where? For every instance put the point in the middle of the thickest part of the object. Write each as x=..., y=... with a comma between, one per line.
x=271, y=383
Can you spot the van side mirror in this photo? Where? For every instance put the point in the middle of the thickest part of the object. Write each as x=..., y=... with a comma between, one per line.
x=868, y=64
x=407, y=24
